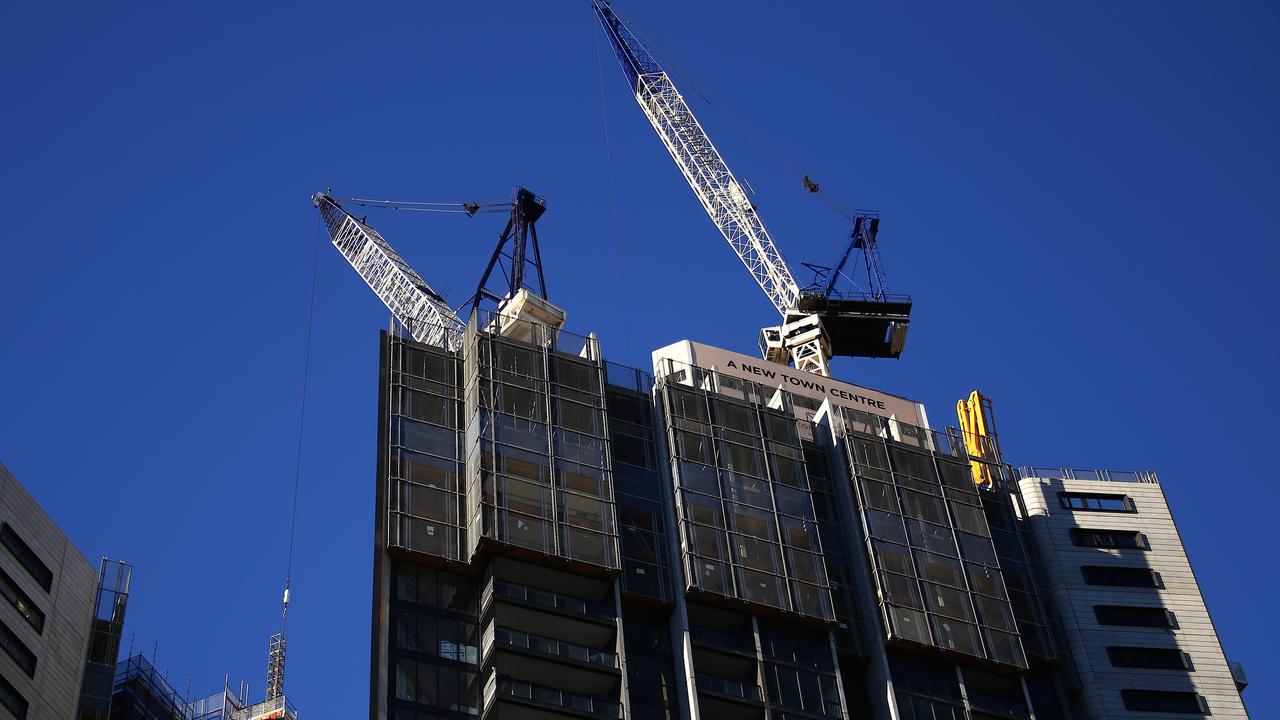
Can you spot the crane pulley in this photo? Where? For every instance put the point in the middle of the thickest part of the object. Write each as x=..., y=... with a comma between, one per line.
x=818, y=322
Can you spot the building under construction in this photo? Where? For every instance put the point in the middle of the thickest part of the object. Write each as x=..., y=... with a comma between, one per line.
x=724, y=537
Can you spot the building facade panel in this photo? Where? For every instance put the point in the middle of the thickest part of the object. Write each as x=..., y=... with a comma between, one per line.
x=48, y=593
x=1077, y=523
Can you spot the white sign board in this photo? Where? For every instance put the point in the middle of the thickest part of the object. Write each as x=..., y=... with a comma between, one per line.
x=763, y=372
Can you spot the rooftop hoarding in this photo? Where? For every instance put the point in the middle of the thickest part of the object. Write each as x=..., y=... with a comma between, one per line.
x=763, y=372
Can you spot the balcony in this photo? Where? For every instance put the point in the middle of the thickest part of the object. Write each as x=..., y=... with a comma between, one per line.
x=558, y=648
x=727, y=687
x=505, y=590
x=556, y=702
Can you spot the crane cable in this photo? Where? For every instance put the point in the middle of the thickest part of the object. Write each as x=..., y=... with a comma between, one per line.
x=613, y=197
x=744, y=127
x=302, y=418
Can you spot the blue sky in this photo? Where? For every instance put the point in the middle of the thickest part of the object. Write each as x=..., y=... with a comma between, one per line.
x=1080, y=197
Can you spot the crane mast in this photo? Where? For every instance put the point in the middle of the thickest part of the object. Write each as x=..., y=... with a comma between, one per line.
x=421, y=310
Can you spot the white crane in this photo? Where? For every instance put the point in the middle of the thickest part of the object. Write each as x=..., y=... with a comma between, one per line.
x=421, y=310
x=817, y=323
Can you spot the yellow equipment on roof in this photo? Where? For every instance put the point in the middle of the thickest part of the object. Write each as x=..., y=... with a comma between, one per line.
x=977, y=423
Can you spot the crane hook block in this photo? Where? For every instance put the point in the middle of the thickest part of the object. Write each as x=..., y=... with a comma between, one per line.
x=811, y=186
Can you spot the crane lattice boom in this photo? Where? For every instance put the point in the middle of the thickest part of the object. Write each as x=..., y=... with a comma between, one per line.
x=421, y=310
x=715, y=186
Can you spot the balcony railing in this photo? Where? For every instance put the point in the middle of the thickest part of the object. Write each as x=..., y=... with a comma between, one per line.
x=544, y=695
x=1132, y=476
x=725, y=686
x=548, y=599
x=741, y=641
x=559, y=648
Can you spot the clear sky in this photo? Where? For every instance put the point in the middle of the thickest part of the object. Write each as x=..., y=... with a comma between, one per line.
x=1081, y=197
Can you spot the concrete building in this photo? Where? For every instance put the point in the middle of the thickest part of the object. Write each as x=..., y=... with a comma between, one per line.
x=559, y=536
x=47, y=592
x=1140, y=636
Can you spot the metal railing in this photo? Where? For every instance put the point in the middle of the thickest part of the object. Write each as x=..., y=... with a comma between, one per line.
x=725, y=686
x=138, y=670
x=559, y=648
x=546, y=598
x=599, y=707
x=1132, y=476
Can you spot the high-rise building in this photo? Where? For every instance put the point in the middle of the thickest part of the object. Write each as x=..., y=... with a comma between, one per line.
x=47, y=594
x=1135, y=622
x=723, y=538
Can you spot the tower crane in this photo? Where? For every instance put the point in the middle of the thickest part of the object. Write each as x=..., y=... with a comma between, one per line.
x=818, y=321
x=423, y=312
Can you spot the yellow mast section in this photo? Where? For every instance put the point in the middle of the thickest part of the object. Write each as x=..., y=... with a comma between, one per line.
x=977, y=424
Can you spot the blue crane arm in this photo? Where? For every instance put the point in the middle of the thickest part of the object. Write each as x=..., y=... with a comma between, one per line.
x=635, y=57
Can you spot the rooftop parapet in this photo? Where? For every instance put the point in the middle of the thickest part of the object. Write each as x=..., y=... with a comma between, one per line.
x=1130, y=476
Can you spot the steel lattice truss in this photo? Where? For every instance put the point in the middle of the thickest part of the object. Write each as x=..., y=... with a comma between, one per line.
x=417, y=307
x=716, y=187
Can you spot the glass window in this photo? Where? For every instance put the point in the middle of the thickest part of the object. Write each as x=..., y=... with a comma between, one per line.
x=586, y=512
x=587, y=546
x=21, y=602
x=969, y=518
x=525, y=497
x=948, y=601
x=687, y=404
x=914, y=464
x=908, y=624
x=424, y=469
x=703, y=509
x=579, y=418
x=793, y=502
x=986, y=580
x=710, y=575
x=955, y=635
x=1164, y=701
x=581, y=478
x=894, y=558
x=1097, y=502
x=933, y=538
x=885, y=526
x=26, y=557
x=1133, y=616
x=869, y=452
x=757, y=554
x=695, y=447
x=703, y=478
x=428, y=407
x=1121, y=576
x=425, y=438
x=526, y=531
x=901, y=590
x=879, y=495
x=1118, y=539
x=939, y=568
x=924, y=507
x=751, y=521
x=742, y=459
x=17, y=650
x=762, y=588
x=708, y=541
x=1145, y=657
x=12, y=699
x=977, y=548
x=747, y=489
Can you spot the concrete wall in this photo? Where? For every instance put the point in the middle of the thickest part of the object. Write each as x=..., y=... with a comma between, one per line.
x=68, y=605
x=1087, y=641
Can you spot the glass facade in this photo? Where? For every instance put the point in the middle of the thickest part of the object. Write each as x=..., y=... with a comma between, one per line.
x=928, y=540
x=538, y=473
x=745, y=508
x=566, y=537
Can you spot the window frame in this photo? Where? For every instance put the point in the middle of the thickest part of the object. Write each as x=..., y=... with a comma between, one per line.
x=1146, y=700
x=1080, y=537
x=1129, y=656
x=1116, y=576
x=1065, y=497
x=1170, y=621
x=26, y=557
